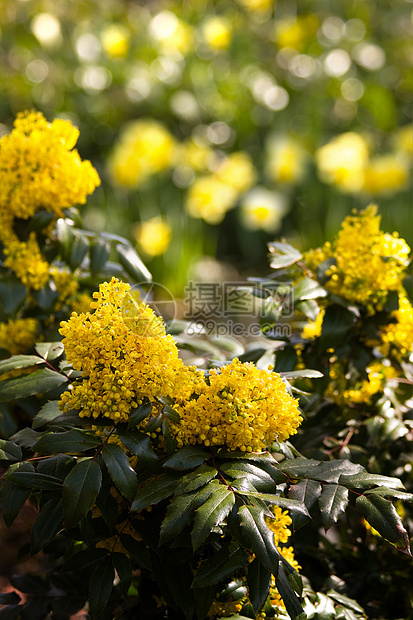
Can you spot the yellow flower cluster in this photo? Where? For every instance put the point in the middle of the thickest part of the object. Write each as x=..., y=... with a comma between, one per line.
x=343, y=390
x=18, y=335
x=27, y=262
x=312, y=329
x=123, y=354
x=40, y=169
x=368, y=262
x=145, y=147
x=397, y=337
x=240, y=407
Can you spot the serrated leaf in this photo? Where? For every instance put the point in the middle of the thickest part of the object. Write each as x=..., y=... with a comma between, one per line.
x=221, y=565
x=331, y=471
x=389, y=493
x=186, y=458
x=101, y=585
x=259, y=536
x=139, y=414
x=80, y=489
x=364, y=480
x=47, y=413
x=298, y=467
x=306, y=492
x=49, y=350
x=19, y=361
x=68, y=441
x=290, y=598
x=26, y=437
x=382, y=516
x=259, y=582
x=47, y=524
x=333, y=502
x=140, y=445
x=180, y=511
x=211, y=513
x=196, y=479
x=12, y=498
x=10, y=451
x=282, y=502
x=171, y=413
x=58, y=466
x=120, y=471
x=261, y=480
x=123, y=567
x=37, y=382
x=155, y=491
x=34, y=480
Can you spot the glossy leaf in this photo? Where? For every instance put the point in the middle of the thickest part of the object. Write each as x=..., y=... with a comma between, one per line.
x=259, y=536
x=12, y=498
x=306, y=492
x=123, y=567
x=132, y=264
x=19, y=361
x=10, y=451
x=99, y=253
x=186, y=458
x=333, y=502
x=305, y=373
x=58, y=466
x=84, y=558
x=336, y=323
x=364, y=480
x=195, y=479
x=122, y=474
x=101, y=585
x=68, y=441
x=155, y=491
x=37, y=382
x=307, y=288
x=80, y=247
x=140, y=445
x=47, y=413
x=283, y=255
x=283, y=502
x=47, y=524
x=259, y=581
x=49, y=350
x=80, y=489
x=331, y=471
x=137, y=550
x=181, y=510
x=12, y=294
x=35, y=480
x=211, y=513
x=290, y=598
x=382, y=515
x=220, y=565
x=139, y=414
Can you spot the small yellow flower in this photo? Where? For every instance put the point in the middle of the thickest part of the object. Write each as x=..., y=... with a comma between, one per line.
x=342, y=162
x=287, y=160
x=397, y=338
x=263, y=209
x=237, y=171
x=209, y=198
x=154, y=236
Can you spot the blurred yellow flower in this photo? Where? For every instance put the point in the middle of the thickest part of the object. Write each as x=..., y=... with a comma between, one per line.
x=18, y=335
x=154, y=236
x=312, y=329
x=209, y=198
x=196, y=156
x=287, y=159
x=403, y=139
x=342, y=161
x=263, y=209
x=27, y=262
x=115, y=41
x=145, y=147
x=386, y=174
x=217, y=32
x=174, y=36
x=397, y=337
x=257, y=5
x=237, y=171
x=294, y=32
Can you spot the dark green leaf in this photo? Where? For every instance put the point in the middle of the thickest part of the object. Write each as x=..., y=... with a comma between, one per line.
x=259, y=536
x=80, y=489
x=26, y=437
x=10, y=451
x=333, y=502
x=37, y=382
x=221, y=565
x=259, y=582
x=293, y=576
x=298, y=467
x=332, y=471
x=195, y=479
x=47, y=524
x=47, y=413
x=389, y=493
x=137, y=550
x=19, y=361
x=68, y=441
x=210, y=514
x=171, y=413
x=12, y=498
x=12, y=294
x=46, y=297
x=139, y=414
x=99, y=253
x=41, y=219
x=123, y=567
x=34, y=480
x=261, y=480
x=336, y=323
x=84, y=558
x=155, y=491
x=49, y=350
x=140, y=445
x=132, y=264
x=58, y=466
x=101, y=585
x=382, y=515
x=344, y=600
x=122, y=474
x=364, y=480
x=283, y=255
x=307, y=492
x=204, y=597
x=282, y=502
x=80, y=248
x=181, y=510
x=186, y=458
x=291, y=600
